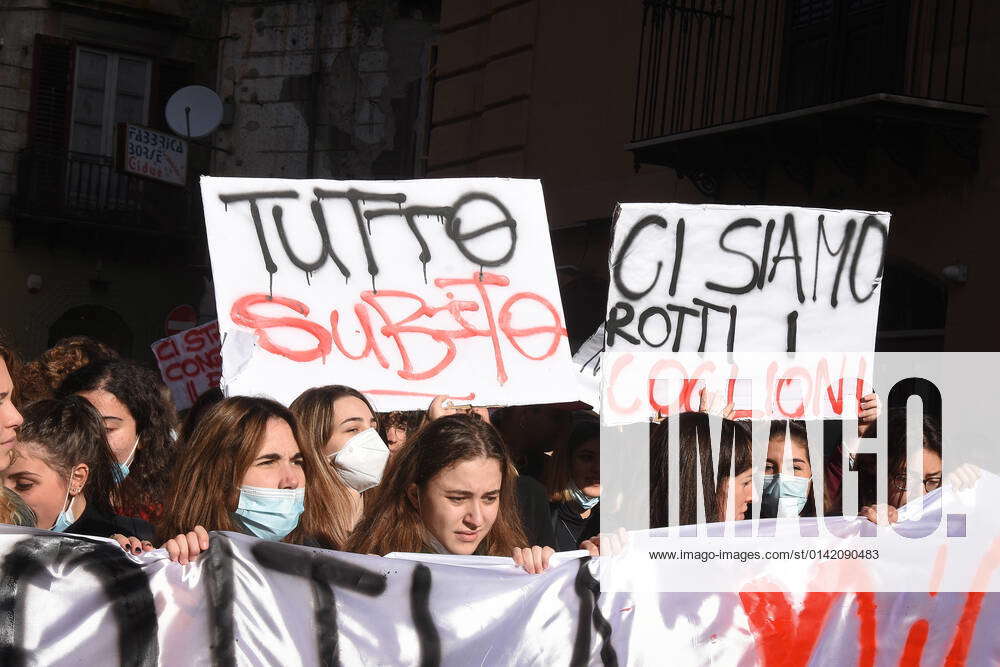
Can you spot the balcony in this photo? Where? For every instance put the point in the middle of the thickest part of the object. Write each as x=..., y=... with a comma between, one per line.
x=60, y=189
x=730, y=87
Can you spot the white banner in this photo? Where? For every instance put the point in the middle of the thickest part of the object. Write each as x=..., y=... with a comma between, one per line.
x=752, y=280
x=190, y=362
x=404, y=290
x=72, y=601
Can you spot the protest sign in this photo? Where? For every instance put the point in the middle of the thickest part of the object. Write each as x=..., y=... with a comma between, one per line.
x=587, y=362
x=190, y=362
x=764, y=282
x=404, y=290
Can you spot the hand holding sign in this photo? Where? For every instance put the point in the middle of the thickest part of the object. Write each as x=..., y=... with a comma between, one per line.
x=442, y=405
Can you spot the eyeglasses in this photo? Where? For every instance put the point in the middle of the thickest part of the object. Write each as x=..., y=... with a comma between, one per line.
x=904, y=482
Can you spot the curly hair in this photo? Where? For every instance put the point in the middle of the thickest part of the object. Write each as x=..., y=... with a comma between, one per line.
x=41, y=378
x=141, y=493
x=408, y=421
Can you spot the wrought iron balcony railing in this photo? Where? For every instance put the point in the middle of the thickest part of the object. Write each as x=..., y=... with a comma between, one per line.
x=58, y=186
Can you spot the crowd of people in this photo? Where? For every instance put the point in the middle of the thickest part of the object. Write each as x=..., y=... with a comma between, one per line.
x=787, y=484
x=90, y=444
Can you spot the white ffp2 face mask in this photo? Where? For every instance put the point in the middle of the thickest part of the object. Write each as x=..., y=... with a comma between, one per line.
x=362, y=460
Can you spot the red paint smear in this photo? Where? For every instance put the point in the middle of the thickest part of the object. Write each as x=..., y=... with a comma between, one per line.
x=491, y=332
x=973, y=605
x=395, y=329
x=654, y=373
x=799, y=412
x=913, y=651
x=620, y=364
x=557, y=331
x=787, y=640
x=937, y=573
x=867, y=636
x=393, y=392
x=783, y=639
x=966, y=627
x=737, y=414
x=371, y=347
x=241, y=315
x=422, y=311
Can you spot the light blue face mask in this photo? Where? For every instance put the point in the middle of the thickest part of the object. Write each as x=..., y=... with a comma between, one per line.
x=123, y=467
x=65, y=518
x=787, y=492
x=582, y=499
x=270, y=514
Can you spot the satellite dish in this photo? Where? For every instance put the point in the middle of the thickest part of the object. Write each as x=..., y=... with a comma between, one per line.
x=194, y=111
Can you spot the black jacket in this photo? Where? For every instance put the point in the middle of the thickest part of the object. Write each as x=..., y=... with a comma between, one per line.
x=569, y=528
x=533, y=503
x=95, y=523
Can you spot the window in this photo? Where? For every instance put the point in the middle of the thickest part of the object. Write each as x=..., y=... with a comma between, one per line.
x=110, y=88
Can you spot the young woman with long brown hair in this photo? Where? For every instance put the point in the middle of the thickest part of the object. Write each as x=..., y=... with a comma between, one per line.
x=734, y=473
x=243, y=471
x=338, y=423
x=449, y=490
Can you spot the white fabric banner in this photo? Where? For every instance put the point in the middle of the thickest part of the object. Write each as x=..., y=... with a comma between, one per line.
x=402, y=289
x=71, y=601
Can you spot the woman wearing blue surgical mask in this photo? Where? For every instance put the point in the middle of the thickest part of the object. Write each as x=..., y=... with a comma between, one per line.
x=574, y=486
x=242, y=470
x=787, y=487
x=339, y=425
x=139, y=423
x=63, y=469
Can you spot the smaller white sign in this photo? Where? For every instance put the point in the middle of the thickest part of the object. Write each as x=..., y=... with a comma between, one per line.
x=190, y=362
x=152, y=154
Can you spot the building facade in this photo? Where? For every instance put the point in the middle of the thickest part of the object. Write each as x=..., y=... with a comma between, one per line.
x=86, y=248
x=863, y=104
x=309, y=88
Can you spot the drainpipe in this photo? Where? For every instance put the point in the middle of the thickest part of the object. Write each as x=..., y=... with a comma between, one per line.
x=314, y=81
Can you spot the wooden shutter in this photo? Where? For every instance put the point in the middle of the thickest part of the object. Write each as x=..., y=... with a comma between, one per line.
x=51, y=94
x=836, y=50
x=42, y=176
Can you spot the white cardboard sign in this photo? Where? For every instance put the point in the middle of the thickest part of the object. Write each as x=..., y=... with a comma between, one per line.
x=402, y=289
x=190, y=362
x=763, y=283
